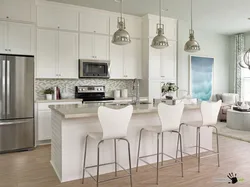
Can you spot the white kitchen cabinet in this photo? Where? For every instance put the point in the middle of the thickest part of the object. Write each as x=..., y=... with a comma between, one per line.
x=21, y=38
x=57, y=54
x=126, y=60
x=18, y=10
x=133, y=25
x=94, y=46
x=117, y=62
x=154, y=89
x=94, y=21
x=47, y=53
x=44, y=119
x=44, y=125
x=162, y=63
x=68, y=55
x=51, y=16
x=17, y=38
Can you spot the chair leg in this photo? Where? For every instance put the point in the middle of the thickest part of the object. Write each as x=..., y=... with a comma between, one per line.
x=129, y=158
x=98, y=163
x=197, y=136
x=115, y=157
x=199, y=149
x=162, y=148
x=182, y=173
x=178, y=140
x=138, y=154
x=157, y=168
x=217, y=142
x=84, y=159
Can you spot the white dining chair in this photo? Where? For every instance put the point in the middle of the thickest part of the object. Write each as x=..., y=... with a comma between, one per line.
x=170, y=118
x=209, y=113
x=114, y=125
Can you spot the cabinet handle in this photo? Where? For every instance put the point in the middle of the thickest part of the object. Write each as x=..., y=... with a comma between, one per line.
x=7, y=17
x=9, y=49
x=6, y=50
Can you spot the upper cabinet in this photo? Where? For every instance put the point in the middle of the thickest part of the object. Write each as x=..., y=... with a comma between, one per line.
x=126, y=60
x=94, y=21
x=133, y=25
x=162, y=63
x=17, y=38
x=169, y=27
x=57, y=54
x=94, y=46
x=57, y=17
x=18, y=10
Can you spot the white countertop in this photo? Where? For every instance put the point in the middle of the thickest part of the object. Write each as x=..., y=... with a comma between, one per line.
x=90, y=110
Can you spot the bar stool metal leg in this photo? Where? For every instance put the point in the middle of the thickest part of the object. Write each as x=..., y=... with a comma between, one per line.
x=179, y=136
x=138, y=154
x=129, y=158
x=178, y=140
x=196, y=141
x=217, y=142
x=115, y=157
x=162, y=148
x=98, y=163
x=84, y=159
x=199, y=149
x=157, y=168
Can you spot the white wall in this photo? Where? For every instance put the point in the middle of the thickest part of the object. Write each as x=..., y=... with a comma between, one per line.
x=212, y=45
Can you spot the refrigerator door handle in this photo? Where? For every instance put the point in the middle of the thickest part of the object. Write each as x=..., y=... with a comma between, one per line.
x=3, y=123
x=8, y=87
x=3, y=88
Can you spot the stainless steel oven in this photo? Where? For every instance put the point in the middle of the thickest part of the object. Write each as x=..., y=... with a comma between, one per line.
x=94, y=69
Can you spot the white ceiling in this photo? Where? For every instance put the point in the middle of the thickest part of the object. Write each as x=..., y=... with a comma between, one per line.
x=220, y=16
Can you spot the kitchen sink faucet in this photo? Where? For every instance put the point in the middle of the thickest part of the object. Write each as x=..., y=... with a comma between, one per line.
x=136, y=91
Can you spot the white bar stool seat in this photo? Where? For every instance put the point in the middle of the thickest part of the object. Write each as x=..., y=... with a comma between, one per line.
x=209, y=113
x=114, y=125
x=170, y=117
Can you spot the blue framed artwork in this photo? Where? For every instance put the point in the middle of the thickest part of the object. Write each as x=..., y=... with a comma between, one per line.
x=201, y=77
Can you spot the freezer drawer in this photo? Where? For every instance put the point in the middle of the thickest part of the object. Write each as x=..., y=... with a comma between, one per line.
x=16, y=135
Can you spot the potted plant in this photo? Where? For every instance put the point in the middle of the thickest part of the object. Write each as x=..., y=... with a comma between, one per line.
x=168, y=90
x=48, y=93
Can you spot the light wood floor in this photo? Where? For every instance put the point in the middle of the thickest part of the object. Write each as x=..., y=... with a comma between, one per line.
x=32, y=169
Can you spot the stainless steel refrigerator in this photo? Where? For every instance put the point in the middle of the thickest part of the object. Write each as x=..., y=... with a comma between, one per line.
x=16, y=103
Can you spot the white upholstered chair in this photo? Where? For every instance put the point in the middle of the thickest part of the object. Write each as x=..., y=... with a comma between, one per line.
x=114, y=125
x=170, y=117
x=209, y=112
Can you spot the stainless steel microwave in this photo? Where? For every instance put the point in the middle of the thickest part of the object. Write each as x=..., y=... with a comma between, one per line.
x=94, y=69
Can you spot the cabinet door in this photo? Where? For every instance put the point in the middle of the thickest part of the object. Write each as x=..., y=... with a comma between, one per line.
x=116, y=57
x=47, y=53
x=68, y=55
x=21, y=38
x=20, y=10
x=170, y=28
x=168, y=61
x=89, y=20
x=3, y=37
x=57, y=17
x=154, y=63
x=86, y=46
x=155, y=89
x=101, y=47
x=44, y=125
x=131, y=59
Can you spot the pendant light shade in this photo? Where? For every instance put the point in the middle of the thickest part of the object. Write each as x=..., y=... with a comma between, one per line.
x=160, y=41
x=191, y=45
x=121, y=36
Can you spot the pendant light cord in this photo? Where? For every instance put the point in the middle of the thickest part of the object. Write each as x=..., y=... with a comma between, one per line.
x=121, y=7
x=160, y=10
x=191, y=14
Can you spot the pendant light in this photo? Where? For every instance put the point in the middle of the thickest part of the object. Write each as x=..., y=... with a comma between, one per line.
x=192, y=45
x=121, y=36
x=160, y=41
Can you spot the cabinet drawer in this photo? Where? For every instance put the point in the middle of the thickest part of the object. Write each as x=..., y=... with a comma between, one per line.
x=45, y=106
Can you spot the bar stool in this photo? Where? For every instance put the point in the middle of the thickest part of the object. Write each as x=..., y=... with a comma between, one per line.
x=209, y=113
x=114, y=125
x=170, y=117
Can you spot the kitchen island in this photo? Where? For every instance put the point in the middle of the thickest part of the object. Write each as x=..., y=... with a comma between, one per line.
x=71, y=123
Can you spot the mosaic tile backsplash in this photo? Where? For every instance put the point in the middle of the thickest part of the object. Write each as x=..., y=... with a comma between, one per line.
x=68, y=86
